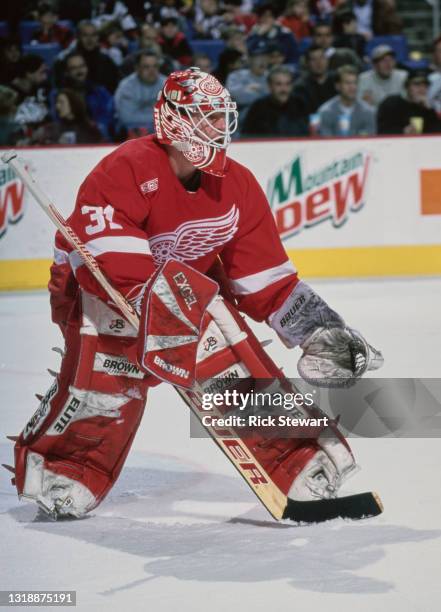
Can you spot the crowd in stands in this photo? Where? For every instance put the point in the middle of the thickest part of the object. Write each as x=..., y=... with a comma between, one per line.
x=89, y=71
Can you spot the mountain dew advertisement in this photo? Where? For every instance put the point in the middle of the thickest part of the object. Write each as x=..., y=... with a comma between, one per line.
x=302, y=198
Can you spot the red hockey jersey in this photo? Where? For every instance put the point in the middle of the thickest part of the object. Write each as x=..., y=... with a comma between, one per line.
x=133, y=214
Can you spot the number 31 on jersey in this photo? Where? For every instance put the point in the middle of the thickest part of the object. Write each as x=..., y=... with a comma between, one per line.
x=101, y=219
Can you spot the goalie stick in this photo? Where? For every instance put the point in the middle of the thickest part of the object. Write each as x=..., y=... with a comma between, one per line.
x=276, y=502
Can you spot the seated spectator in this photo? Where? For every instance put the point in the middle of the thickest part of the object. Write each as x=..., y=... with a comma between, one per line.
x=279, y=113
x=98, y=100
x=317, y=85
x=276, y=57
x=208, y=22
x=435, y=65
x=11, y=132
x=386, y=20
x=324, y=9
x=148, y=41
x=203, y=62
x=297, y=18
x=32, y=87
x=115, y=11
x=50, y=31
x=323, y=37
x=155, y=11
x=345, y=27
x=102, y=69
x=230, y=60
x=267, y=30
x=148, y=38
x=383, y=79
x=409, y=113
x=136, y=94
x=233, y=15
x=434, y=95
x=247, y=85
x=10, y=56
x=114, y=44
x=235, y=39
x=173, y=42
x=72, y=124
x=364, y=14
x=344, y=115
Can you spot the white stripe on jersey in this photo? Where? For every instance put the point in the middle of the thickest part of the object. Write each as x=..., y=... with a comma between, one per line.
x=111, y=244
x=261, y=280
x=60, y=256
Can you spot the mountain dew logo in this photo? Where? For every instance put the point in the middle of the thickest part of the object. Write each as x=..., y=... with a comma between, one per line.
x=11, y=199
x=331, y=193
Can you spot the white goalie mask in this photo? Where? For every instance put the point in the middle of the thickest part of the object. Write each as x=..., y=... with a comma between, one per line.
x=196, y=115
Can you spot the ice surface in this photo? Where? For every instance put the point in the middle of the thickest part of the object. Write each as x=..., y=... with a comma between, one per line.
x=181, y=531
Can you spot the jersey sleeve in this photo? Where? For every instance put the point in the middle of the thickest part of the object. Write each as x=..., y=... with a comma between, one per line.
x=109, y=216
x=260, y=274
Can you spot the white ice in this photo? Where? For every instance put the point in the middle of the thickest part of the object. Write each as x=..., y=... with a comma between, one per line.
x=181, y=531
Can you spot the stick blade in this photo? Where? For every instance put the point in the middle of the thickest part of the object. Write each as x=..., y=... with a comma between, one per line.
x=355, y=507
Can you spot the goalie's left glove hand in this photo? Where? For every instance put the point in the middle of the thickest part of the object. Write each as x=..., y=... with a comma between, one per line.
x=333, y=354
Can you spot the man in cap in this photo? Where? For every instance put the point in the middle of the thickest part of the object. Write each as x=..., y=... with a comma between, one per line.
x=409, y=113
x=384, y=79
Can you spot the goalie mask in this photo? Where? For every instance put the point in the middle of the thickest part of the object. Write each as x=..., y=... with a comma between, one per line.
x=196, y=115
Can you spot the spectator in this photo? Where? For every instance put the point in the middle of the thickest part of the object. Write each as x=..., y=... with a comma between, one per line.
x=386, y=20
x=148, y=41
x=297, y=19
x=267, y=30
x=234, y=15
x=344, y=115
x=173, y=42
x=235, y=39
x=324, y=9
x=230, y=60
x=249, y=84
x=345, y=27
x=316, y=86
x=279, y=113
x=102, y=70
x=155, y=11
x=50, y=31
x=383, y=79
x=113, y=11
x=97, y=99
x=114, y=44
x=10, y=131
x=276, y=57
x=32, y=87
x=435, y=66
x=323, y=37
x=10, y=56
x=434, y=94
x=208, y=23
x=409, y=113
x=149, y=38
x=203, y=62
x=364, y=14
x=136, y=94
x=72, y=125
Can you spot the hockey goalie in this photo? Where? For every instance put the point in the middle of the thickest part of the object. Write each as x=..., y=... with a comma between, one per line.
x=171, y=222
